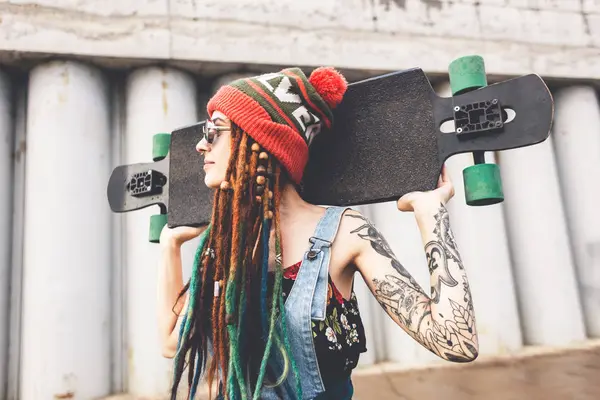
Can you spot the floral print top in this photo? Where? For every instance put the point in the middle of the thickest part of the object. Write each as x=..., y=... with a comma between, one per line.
x=340, y=338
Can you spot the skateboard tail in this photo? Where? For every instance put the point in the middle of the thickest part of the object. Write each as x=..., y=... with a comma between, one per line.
x=526, y=110
x=136, y=186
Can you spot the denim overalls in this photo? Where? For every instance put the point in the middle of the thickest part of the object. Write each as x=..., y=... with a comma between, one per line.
x=306, y=302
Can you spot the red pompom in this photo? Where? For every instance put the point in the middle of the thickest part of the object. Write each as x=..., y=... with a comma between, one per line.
x=330, y=84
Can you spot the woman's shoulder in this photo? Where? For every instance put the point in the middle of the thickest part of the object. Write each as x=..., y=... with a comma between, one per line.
x=353, y=220
x=352, y=225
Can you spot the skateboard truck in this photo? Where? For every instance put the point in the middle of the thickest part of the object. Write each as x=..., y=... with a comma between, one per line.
x=482, y=182
x=147, y=183
x=478, y=117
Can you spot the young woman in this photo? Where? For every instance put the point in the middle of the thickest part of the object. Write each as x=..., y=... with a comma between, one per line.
x=270, y=302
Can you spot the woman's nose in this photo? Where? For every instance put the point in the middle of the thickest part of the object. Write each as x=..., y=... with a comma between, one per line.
x=202, y=146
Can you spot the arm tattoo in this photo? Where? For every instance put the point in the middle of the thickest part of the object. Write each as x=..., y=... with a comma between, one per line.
x=396, y=296
x=445, y=235
x=381, y=246
x=438, y=269
x=454, y=337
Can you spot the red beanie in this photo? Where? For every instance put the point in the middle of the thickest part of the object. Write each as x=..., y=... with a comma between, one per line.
x=283, y=111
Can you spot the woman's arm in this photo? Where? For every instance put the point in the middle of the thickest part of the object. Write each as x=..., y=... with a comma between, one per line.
x=443, y=321
x=170, y=285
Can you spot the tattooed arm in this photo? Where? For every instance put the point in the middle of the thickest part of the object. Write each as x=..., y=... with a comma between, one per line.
x=442, y=321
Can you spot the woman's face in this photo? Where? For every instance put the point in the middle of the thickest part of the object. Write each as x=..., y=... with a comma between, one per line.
x=216, y=154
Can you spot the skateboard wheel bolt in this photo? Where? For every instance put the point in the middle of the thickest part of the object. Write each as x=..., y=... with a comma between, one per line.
x=456, y=108
x=263, y=156
x=459, y=130
x=260, y=180
x=495, y=101
x=498, y=123
x=255, y=147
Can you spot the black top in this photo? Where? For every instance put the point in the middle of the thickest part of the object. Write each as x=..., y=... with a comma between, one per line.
x=340, y=338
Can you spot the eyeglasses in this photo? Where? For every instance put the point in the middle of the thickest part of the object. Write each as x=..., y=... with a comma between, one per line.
x=210, y=131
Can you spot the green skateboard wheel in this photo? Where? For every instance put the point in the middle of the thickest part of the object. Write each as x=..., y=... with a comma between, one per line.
x=160, y=146
x=157, y=223
x=467, y=73
x=483, y=185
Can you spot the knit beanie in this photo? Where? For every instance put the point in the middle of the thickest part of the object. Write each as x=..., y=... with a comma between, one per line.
x=283, y=111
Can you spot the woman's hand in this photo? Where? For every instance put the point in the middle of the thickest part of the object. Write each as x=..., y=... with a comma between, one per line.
x=443, y=193
x=178, y=236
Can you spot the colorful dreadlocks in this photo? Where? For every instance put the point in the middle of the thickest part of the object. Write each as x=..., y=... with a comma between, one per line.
x=229, y=304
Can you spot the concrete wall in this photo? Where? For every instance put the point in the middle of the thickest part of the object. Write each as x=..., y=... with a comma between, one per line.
x=552, y=38
x=541, y=288
x=519, y=254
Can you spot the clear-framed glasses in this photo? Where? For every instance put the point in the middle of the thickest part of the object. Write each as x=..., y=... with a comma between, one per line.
x=210, y=131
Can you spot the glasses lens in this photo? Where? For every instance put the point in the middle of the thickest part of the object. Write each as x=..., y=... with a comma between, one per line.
x=209, y=131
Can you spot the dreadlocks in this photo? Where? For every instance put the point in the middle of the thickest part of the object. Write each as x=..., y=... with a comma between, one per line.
x=229, y=301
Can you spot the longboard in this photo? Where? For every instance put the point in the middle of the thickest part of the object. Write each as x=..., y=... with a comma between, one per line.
x=391, y=136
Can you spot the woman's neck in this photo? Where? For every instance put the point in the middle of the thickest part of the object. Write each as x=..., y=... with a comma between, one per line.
x=292, y=205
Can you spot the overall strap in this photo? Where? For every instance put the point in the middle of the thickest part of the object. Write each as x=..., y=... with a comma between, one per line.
x=307, y=301
x=321, y=240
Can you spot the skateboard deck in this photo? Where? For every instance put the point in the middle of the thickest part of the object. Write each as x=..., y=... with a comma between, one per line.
x=387, y=140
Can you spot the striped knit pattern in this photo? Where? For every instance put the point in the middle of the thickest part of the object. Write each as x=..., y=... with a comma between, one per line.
x=281, y=111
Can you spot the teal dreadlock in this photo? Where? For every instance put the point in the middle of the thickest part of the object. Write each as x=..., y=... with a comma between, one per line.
x=230, y=304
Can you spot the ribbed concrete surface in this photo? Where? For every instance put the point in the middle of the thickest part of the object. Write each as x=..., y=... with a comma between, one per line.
x=542, y=374
x=548, y=37
x=536, y=373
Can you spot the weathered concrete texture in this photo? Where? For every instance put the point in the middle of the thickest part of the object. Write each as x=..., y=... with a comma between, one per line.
x=557, y=375
x=535, y=374
x=550, y=37
x=128, y=28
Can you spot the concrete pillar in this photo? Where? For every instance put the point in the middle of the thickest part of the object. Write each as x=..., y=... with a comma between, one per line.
x=6, y=167
x=483, y=244
x=118, y=266
x=226, y=79
x=66, y=304
x=542, y=259
x=157, y=100
x=18, y=216
x=577, y=146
